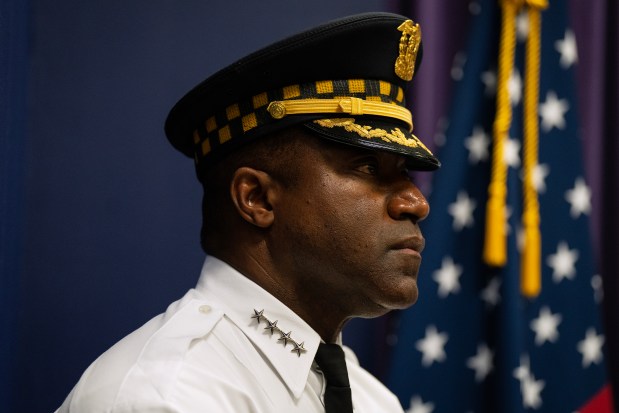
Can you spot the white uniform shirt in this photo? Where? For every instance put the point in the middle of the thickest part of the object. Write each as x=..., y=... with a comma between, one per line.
x=207, y=354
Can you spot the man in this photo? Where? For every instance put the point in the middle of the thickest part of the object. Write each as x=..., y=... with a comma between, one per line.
x=310, y=219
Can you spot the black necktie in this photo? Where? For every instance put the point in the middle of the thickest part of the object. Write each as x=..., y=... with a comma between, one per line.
x=330, y=359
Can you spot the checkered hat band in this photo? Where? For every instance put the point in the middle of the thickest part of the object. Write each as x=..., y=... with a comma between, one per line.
x=237, y=119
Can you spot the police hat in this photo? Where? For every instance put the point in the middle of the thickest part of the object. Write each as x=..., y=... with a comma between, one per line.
x=345, y=80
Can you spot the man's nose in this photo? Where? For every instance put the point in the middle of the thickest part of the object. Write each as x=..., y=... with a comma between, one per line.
x=408, y=203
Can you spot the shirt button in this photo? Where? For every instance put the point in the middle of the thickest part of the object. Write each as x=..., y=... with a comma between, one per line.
x=205, y=309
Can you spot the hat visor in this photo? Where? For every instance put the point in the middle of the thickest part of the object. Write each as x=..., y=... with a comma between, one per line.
x=377, y=134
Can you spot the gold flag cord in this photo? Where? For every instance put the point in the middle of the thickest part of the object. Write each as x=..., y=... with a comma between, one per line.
x=495, y=245
x=530, y=267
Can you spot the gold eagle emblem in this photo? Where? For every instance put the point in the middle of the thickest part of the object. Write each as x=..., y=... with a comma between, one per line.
x=408, y=48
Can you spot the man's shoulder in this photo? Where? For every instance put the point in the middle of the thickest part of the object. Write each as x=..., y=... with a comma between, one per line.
x=145, y=363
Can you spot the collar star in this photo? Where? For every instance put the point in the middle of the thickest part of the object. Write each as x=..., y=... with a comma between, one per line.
x=271, y=326
x=258, y=315
x=298, y=348
x=285, y=337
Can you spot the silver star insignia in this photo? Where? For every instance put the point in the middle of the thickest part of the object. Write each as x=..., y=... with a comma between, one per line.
x=285, y=336
x=272, y=326
x=298, y=348
x=258, y=315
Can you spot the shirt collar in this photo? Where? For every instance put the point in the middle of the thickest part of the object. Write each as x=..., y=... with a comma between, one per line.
x=256, y=312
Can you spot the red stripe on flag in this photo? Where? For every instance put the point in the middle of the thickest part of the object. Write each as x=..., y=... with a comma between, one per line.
x=602, y=402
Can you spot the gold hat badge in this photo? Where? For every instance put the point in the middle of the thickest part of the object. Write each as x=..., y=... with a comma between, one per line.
x=409, y=46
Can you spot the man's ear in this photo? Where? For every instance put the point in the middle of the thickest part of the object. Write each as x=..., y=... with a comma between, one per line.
x=252, y=192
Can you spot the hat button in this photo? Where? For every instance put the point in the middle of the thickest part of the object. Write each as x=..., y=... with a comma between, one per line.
x=277, y=110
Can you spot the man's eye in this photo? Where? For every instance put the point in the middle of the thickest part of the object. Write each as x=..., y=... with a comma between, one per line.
x=368, y=168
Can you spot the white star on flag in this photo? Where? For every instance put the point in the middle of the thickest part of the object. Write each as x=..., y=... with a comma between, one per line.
x=522, y=26
x=481, y=363
x=540, y=172
x=448, y=277
x=514, y=86
x=545, y=326
x=490, y=295
x=432, y=346
x=563, y=263
x=598, y=291
x=529, y=387
x=477, y=144
x=579, y=198
x=462, y=211
x=523, y=370
x=567, y=49
x=418, y=406
x=591, y=348
x=553, y=111
x=511, y=152
x=488, y=78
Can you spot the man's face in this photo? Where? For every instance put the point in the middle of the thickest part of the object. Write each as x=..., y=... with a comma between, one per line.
x=347, y=230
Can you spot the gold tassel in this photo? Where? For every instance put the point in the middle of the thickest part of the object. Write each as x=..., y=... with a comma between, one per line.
x=530, y=261
x=495, y=243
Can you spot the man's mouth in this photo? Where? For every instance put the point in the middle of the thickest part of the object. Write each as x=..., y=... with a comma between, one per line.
x=413, y=245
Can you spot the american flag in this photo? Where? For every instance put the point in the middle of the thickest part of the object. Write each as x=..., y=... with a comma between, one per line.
x=474, y=343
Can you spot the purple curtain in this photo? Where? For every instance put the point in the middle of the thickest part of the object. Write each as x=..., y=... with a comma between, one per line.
x=595, y=24
x=444, y=24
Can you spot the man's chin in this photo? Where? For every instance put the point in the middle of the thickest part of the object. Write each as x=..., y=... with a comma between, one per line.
x=402, y=301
